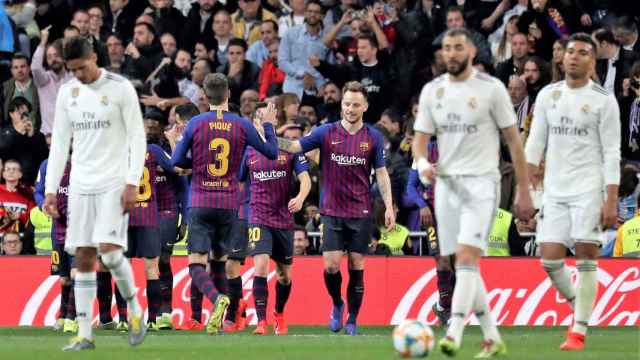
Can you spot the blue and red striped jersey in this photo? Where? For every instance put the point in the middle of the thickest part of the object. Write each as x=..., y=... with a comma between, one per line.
x=346, y=162
x=145, y=212
x=244, y=197
x=217, y=142
x=172, y=191
x=59, y=229
x=272, y=186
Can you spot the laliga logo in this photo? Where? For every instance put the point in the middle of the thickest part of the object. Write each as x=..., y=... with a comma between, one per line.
x=531, y=305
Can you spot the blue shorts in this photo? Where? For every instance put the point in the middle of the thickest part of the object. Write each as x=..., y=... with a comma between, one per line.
x=143, y=242
x=210, y=229
x=346, y=234
x=277, y=243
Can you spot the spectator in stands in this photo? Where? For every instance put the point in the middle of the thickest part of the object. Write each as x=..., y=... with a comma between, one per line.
x=630, y=116
x=501, y=47
x=121, y=19
x=19, y=140
x=336, y=13
x=300, y=241
x=271, y=77
x=287, y=105
x=309, y=112
x=166, y=18
x=48, y=81
x=199, y=23
x=248, y=101
x=628, y=237
x=169, y=44
x=115, y=51
x=557, y=66
x=259, y=51
x=328, y=105
x=242, y=74
x=11, y=244
x=96, y=23
x=247, y=20
x=21, y=85
x=544, y=22
x=297, y=46
x=520, y=98
x=186, y=87
x=71, y=31
x=222, y=27
x=455, y=20
x=293, y=18
x=201, y=68
x=392, y=123
x=625, y=31
x=81, y=21
x=392, y=242
x=312, y=217
x=614, y=62
x=514, y=65
x=22, y=13
x=536, y=74
x=16, y=199
x=143, y=54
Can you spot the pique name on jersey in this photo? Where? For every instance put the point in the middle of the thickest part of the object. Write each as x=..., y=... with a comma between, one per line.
x=342, y=159
x=220, y=125
x=263, y=175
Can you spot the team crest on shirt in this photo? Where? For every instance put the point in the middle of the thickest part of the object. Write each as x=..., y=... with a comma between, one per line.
x=473, y=103
x=585, y=108
x=364, y=146
x=104, y=101
x=75, y=92
x=439, y=93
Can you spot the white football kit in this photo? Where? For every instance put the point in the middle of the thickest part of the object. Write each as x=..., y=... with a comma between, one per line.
x=466, y=116
x=577, y=131
x=104, y=121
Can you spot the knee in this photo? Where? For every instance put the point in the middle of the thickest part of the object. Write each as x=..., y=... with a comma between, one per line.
x=443, y=263
x=356, y=262
x=65, y=281
x=332, y=267
x=112, y=259
x=283, y=276
x=466, y=259
x=232, y=268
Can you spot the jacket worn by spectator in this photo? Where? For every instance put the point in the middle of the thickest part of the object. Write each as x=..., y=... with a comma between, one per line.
x=194, y=29
x=240, y=25
x=622, y=64
x=28, y=150
x=122, y=22
x=544, y=27
x=169, y=20
x=270, y=77
x=142, y=67
x=246, y=79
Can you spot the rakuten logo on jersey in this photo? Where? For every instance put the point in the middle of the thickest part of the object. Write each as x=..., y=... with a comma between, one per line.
x=342, y=159
x=269, y=175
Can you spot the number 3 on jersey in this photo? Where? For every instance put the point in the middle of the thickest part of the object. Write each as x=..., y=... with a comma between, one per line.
x=221, y=149
x=144, y=190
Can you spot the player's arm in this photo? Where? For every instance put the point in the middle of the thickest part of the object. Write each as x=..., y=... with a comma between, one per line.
x=268, y=148
x=384, y=182
x=537, y=141
x=136, y=142
x=424, y=127
x=163, y=159
x=301, y=168
x=39, y=188
x=179, y=157
x=305, y=144
x=58, y=155
x=610, y=139
x=243, y=171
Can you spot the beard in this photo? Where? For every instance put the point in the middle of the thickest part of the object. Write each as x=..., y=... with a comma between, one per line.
x=456, y=68
x=56, y=66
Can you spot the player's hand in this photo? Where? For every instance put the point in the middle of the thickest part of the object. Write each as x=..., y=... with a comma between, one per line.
x=426, y=218
x=50, y=206
x=487, y=23
x=608, y=214
x=295, y=204
x=523, y=205
x=132, y=51
x=429, y=175
x=259, y=128
x=308, y=82
x=585, y=20
x=129, y=196
x=44, y=35
x=389, y=219
x=269, y=114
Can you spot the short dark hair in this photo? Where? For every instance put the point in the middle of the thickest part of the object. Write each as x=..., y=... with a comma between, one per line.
x=455, y=8
x=11, y=232
x=370, y=38
x=76, y=47
x=626, y=23
x=238, y=42
x=187, y=111
x=300, y=228
x=79, y=11
x=17, y=102
x=459, y=32
x=354, y=86
x=272, y=22
x=315, y=2
x=393, y=116
x=115, y=35
x=149, y=27
x=605, y=35
x=72, y=28
x=216, y=87
x=20, y=56
x=259, y=105
x=584, y=38
x=635, y=69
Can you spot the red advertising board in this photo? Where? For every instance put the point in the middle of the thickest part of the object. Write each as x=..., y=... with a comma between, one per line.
x=395, y=288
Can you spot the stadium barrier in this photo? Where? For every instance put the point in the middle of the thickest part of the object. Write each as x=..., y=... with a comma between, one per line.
x=395, y=288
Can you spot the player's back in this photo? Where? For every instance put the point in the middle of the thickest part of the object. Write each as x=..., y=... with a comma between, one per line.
x=218, y=142
x=466, y=117
x=145, y=212
x=97, y=115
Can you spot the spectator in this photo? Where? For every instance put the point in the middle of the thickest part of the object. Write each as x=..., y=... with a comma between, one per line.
x=166, y=18
x=121, y=19
x=625, y=32
x=630, y=116
x=143, y=54
x=455, y=20
x=364, y=23
x=70, y=32
x=96, y=23
x=544, y=22
x=271, y=77
x=19, y=140
x=11, y=244
x=169, y=44
x=22, y=13
x=300, y=241
x=222, y=27
x=628, y=194
x=287, y=105
x=312, y=217
x=520, y=98
x=207, y=50
x=20, y=85
x=297, y=46
x=557, y=66
x=115, y=51
x=247, y=20
x=328, y=105
x=186, y=87
x=614, y=62
x=392, y=123
x=259, y=51
x=248, y=102
x=293, y=18
x=536, y=74
x=48, y=82
x=501, y=47
x=16, y=199
x=81, y=21
x=627, y=238
x=201, y=68
x=199, y=23
x=308, y=111
x=54, y=13
x=514, y=65
x=335, y=14
x=242, y=74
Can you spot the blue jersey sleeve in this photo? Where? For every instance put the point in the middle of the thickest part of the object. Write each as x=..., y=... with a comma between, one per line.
x=39, y=191
x=412, y=192
x=182, y=184
x=269, y=148
x=179, y=157
x=243, y=172
x=378, y=150
x=162, y=158
x=300, y=163
x=313, y=140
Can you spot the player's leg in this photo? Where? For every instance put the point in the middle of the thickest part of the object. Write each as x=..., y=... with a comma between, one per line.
x=61, y=268
x=169, y=235
x=333, y=246
x=70, y=323
x=121, y=307
x=85, y=290
x=261, y=241
x=154, y=297
x=218, y=273
x=282, y=254
x=358, y=235
x=105, y=296
x=236, y=318
x=445, y=275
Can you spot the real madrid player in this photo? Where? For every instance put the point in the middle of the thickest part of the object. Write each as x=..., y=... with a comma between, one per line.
x=576, y=127
x=467, y=111
x=100, y=110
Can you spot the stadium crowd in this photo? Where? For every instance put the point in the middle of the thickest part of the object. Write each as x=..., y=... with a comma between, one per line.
x=298, y=54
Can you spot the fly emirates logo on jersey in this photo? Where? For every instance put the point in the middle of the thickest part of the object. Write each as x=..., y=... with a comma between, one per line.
x=263, y=175
x=567, y=128
x=88, y=121
x=455, y=125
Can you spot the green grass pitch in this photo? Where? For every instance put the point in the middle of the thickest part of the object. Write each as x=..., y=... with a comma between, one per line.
x=309, y=343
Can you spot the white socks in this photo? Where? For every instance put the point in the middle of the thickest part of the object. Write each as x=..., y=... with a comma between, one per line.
x=463, y=297
x=483, y=313
x=560, y=277
x=123, y=275
x=587, y=285
x=85, y=292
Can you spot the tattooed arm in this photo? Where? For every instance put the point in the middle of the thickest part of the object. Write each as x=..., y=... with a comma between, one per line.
x=290, y=146
x=384, y=185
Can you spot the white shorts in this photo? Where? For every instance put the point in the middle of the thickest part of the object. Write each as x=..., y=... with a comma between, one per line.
x=569, y=221
x=465, y=208
x=95, y=219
